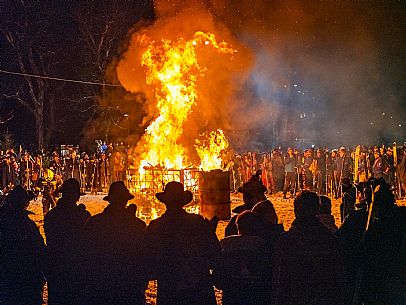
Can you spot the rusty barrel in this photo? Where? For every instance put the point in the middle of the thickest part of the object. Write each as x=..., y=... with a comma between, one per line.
x=214, y=194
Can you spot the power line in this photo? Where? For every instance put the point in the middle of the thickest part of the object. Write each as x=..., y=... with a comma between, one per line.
x=60, y=79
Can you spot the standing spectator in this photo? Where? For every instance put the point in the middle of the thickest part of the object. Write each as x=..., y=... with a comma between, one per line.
x=184, y=248
x=349, y=196
x=324, y=214
x=289, y=161
x=114, y=253
x=309, y=263
x=253, y=191
x=63, y=227
x=278, y=169
x=343, y=166
x=389, y=169
x=104, y=172
x=384, y=249
x=321, y=172
x=307, y=168
x=377, y=165
x=272, y=231
x=244, y=270
x=118, y=166
x=22, y=252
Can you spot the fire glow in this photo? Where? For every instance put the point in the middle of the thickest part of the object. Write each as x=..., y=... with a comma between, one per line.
x=173, y=69
x=169, y=149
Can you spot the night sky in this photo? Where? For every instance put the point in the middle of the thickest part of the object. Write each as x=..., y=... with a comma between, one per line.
x=329, y=73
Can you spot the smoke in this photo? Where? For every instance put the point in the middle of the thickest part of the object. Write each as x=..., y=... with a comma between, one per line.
x=224, y=74
x=307, y=72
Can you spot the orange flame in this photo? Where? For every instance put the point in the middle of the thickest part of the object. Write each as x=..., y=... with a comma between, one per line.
x=210, y=148
x=172, y=67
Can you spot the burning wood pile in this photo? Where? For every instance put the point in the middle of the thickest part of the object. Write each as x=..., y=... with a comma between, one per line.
x=168, y=150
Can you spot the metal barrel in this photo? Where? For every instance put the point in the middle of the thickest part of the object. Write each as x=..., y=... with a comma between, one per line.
x=214, y=194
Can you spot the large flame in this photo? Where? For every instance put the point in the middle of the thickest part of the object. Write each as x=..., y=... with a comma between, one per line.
x=209, y=149
x=172, y=67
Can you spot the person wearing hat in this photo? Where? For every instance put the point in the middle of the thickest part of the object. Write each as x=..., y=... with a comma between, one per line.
x=343, y=167
x=184, y=248
x=384, y=247
x=253, y=191
x=22, y=252
x=389, y=167
x=244, y=271
x=308, y=260
x=290, y=165
x=321, y=172
x=114, y=253
x=63, y=227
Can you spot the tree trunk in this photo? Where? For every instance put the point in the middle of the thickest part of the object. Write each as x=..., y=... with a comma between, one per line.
x=39, y=126
x=50, y=122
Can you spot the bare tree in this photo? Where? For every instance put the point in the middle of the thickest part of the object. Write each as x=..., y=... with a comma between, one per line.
x=24, y=33
x=103, y=28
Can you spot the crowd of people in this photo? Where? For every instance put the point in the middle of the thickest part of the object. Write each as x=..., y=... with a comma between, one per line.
x=290, y=171
x=332, y=173
x=109, y=258
x=320, y=170
x=94, y=171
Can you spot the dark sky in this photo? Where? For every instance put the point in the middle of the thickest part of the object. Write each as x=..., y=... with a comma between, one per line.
x=348, y=60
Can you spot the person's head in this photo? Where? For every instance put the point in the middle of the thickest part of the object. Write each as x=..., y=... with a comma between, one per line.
x=334, y=153
x=174, y=196
x=341, y=152
x=290, y=151
x=379, y=191
x=253, y=191
x=118, y=194
x=325, y=205
x=249, y=223
x=132, y=210
x=306, y=205
x=18, y=198
x=266, y=211
x=70, y=190
x=346, y=182
x=26, y=157
x=389, y=151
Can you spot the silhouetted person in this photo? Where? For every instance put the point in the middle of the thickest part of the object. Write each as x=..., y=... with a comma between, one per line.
x=349, y=195
x=63, y=227
x=384, y=249
x=184, y=248
x=324, y=214
x=22, y=252
x=308, y=268
x=244, y=271
x=114, y=252
x=83, y=207
x=271, y=231
x=253, y=191
x=351, y=234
